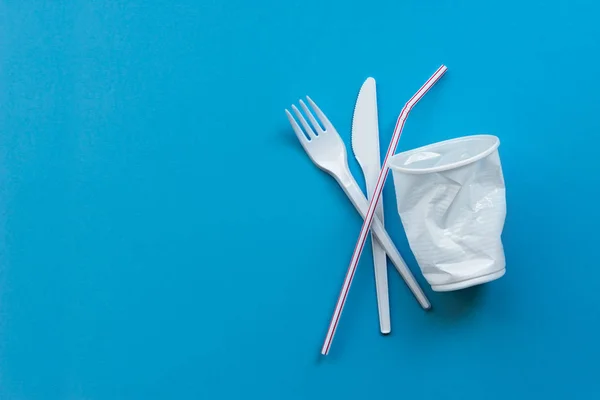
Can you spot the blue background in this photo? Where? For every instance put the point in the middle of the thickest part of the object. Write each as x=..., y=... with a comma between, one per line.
x=163, y=235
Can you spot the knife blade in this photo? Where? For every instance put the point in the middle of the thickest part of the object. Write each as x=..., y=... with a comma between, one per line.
x=365, y=146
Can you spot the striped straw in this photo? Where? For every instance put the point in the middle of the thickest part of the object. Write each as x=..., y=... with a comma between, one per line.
x=373, y=204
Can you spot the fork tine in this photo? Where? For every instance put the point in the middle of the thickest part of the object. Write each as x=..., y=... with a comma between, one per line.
x=307, y=127
x=301, y=136
x=324, y=120
x=311, y=118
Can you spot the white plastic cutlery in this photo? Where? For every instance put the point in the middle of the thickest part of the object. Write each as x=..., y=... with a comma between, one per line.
x=365, y=145
x=327, y=150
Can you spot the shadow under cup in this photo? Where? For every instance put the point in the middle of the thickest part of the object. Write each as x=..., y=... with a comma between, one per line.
x=452, y=202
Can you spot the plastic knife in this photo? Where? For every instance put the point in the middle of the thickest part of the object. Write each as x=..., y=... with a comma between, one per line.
x=365, y=145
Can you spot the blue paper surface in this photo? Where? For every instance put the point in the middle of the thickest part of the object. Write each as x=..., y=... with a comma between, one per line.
x=163, y=235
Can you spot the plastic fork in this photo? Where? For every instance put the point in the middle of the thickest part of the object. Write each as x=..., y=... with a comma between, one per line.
x=327, y=150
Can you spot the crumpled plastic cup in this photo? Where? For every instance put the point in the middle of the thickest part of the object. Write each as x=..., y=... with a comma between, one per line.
x=452, y=202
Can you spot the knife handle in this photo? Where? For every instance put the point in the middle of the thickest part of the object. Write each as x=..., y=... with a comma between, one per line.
x=361, y=204
x=381, y=278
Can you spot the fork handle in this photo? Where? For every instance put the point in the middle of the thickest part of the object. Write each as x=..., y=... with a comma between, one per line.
x=361, y=204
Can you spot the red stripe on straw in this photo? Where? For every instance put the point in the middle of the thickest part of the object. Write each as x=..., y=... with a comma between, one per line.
x=373, y=204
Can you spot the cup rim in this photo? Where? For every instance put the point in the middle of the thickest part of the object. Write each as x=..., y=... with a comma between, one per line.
x=493, y=146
